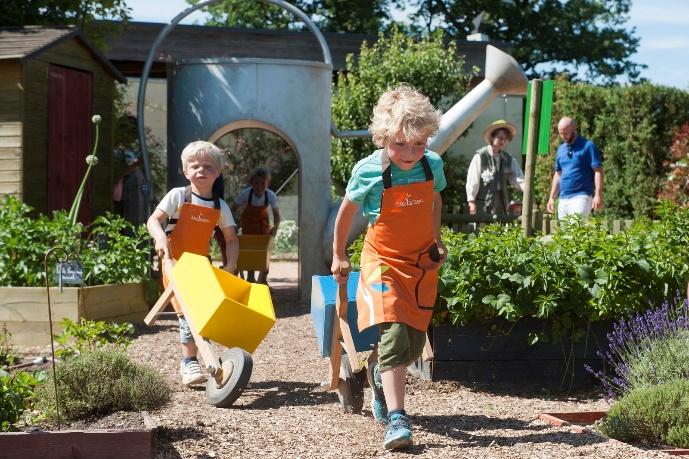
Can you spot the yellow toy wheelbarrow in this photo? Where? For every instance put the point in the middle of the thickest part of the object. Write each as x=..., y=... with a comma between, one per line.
x=221, y=307
x=254, y=254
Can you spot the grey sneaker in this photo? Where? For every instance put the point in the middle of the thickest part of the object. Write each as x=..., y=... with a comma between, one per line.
x=191, y=373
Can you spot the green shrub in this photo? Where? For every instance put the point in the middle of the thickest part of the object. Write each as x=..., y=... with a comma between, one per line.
x=654, y=415
x=25, y=241
x=645, y=349
x=102, y=382
x=660, y=361
x=287, y=238
x=580, y=274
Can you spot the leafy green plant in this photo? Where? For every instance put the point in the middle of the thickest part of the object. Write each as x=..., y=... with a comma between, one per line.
x=102, y=382
x=124, y=258
x=653, y=415
x=25, y=241
x=287, y=238
x=7, y=355
x=17, y=395
x=580, y=274
x=89, y=335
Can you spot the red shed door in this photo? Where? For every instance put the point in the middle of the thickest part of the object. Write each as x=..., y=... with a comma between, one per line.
x=69, y=138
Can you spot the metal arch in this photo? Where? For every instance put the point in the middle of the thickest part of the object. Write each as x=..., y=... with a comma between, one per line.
x=149, y=63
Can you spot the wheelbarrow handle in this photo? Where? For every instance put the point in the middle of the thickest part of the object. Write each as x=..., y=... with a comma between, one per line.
x=345, y=268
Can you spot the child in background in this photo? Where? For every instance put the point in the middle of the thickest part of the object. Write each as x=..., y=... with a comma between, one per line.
x=194, y=213
x=398, y=189
x=255, y=219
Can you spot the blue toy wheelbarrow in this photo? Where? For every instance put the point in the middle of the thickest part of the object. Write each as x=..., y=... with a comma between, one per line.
x=334, y=315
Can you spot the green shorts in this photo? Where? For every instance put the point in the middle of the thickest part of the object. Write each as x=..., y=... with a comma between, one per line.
x=399, y=344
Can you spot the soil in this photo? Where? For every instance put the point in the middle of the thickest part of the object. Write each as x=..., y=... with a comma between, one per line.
x=284, y=412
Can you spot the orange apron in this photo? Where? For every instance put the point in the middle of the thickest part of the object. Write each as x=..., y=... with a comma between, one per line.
x=192, y=233
x=255, y=219
x=399, y=277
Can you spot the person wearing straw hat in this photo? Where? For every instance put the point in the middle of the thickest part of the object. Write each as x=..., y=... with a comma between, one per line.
x=491, y=169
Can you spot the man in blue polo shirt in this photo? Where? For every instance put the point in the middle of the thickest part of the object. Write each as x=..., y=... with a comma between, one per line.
x=578, y=178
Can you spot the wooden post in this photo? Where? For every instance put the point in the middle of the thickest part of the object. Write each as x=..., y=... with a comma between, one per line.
x=531, y=150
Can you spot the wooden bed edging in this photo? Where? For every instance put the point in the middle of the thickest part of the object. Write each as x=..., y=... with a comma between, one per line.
x=96, y=443
x=578, y=421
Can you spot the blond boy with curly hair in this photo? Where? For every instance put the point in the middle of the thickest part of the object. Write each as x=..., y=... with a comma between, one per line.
x=398, y=189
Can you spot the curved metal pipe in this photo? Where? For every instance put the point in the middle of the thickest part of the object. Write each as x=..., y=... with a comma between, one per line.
x=149, y=63
x=348, y=134
x=503, y=76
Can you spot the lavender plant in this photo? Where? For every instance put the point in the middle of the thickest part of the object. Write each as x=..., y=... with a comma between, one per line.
x=647, y=349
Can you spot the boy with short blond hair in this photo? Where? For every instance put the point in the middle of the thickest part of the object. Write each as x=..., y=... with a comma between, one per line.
x=193, y=214
x=398, y=189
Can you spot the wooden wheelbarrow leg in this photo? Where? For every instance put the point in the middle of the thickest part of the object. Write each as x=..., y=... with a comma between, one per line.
x=342, y=335
x=159, y=306
x=427, y=353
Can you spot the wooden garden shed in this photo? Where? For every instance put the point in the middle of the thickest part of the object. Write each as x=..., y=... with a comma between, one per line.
x=52, y=82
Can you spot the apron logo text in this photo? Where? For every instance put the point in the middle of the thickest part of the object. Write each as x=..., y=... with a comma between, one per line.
x=409, y=202
x=199, y=218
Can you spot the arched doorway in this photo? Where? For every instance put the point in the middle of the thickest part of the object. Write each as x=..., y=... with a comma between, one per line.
x=247, y=148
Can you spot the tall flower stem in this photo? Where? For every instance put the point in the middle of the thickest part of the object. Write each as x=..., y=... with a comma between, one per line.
x=91, y=160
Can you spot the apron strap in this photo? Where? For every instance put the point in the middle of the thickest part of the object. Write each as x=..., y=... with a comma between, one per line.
x=387, y=170
x=187, y=198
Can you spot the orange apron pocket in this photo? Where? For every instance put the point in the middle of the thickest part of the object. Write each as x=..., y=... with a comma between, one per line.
x=426, y=289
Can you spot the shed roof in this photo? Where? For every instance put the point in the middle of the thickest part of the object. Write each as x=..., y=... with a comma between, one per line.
x=129, y=50
x=25, y=43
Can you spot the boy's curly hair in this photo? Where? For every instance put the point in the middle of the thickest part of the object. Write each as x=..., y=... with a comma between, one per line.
x=403, y=109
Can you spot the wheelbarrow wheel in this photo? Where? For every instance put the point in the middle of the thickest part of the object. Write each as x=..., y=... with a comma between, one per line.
x=228, y=393
x=350, y=390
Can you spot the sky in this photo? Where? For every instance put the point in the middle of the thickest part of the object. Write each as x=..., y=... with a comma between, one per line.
x=661, y=25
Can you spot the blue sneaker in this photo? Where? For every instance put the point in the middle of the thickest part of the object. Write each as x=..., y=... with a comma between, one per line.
x=398, y=433
x=378, y=405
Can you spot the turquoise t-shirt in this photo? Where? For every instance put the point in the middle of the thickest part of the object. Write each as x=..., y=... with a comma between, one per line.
x=365, y=187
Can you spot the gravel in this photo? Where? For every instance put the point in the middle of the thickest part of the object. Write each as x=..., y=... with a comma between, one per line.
x=284, y=413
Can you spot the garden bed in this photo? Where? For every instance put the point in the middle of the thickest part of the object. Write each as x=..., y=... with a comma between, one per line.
x=24, y=310
x=123, y=439
x=581, y=422
x=479, y=356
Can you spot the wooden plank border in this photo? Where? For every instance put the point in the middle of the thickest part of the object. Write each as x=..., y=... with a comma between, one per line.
x=101, y=443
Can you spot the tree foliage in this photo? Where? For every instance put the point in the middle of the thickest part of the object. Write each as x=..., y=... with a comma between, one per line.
x=79, y=13
x=430, y=65
x=345, y=16
x=589, y=35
